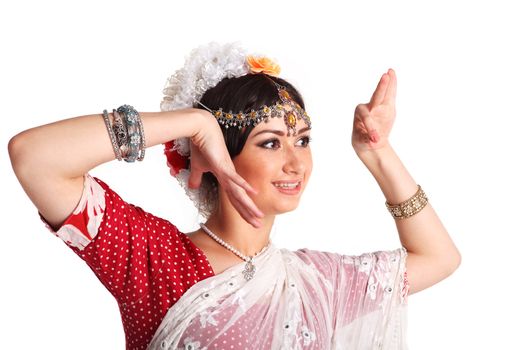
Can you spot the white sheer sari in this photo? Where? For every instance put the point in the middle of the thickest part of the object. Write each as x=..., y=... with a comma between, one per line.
x=302, y=299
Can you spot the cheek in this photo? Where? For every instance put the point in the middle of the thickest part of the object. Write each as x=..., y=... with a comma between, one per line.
x=257, y=170
x=307, y=160
x=308, y=169
x=263, y=171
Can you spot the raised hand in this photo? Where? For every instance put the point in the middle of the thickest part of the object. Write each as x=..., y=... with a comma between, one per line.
x=373, y=120
x=209, y=153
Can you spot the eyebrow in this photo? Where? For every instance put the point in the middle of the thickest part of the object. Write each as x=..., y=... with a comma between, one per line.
x=279, y=132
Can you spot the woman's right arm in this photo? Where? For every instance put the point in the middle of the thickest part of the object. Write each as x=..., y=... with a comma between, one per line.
x=50, y=160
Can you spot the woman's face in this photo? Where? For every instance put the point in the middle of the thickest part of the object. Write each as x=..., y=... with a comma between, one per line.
x=271, y=160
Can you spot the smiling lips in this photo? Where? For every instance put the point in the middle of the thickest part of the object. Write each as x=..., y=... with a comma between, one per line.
x=288, y=187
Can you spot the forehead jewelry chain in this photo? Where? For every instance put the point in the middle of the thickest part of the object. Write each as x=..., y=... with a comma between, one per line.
x=286, y=109
x=249, y=268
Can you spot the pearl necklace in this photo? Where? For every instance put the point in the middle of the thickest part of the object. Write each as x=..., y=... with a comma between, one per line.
x=249, y=268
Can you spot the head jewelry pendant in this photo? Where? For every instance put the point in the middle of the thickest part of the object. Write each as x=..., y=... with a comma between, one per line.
x=287, y=109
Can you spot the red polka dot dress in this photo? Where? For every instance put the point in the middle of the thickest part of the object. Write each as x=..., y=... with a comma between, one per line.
x=144, y=261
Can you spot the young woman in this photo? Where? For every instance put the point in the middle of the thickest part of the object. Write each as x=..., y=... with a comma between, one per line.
x=236, y=136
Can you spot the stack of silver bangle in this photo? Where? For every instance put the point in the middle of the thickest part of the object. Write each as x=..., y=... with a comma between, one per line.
x=126, y=133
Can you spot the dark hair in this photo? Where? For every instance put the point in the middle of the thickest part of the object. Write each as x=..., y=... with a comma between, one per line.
x=239, y=94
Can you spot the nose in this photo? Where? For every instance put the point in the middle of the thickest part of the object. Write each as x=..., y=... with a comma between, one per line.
x=293, y=162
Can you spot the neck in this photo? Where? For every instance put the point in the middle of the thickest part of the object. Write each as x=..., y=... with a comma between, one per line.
x=229, y=225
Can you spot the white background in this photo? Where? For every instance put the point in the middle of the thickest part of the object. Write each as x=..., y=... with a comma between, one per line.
x=459, y=128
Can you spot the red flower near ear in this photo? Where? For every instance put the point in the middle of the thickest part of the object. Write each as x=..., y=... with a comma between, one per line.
x=175, y=161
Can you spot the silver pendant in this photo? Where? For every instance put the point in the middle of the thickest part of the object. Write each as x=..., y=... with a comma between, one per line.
x=249, y=270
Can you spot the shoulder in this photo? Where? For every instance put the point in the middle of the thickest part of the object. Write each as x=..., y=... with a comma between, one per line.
x=330, y=262
x=326, y=256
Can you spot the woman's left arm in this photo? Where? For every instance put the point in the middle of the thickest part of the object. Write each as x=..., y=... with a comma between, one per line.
x=432, y=255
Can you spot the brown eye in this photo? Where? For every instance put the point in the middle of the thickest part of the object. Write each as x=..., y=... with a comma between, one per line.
x=306, y=140
x=271, y=144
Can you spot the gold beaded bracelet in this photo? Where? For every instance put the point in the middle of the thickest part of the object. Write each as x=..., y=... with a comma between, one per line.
x=411, y=206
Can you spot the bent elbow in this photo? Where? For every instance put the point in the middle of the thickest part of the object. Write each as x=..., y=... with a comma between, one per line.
x=458, y=262
x=453, y=263
x=14, y=148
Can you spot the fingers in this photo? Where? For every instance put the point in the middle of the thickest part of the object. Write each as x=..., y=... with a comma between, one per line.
x=234, y=185
x=380, y=91
x=386, y=89
x=368, y=122
x=237, y=189
x=195, y=179
x=245, y=206
x=247, y=200
x=371, y=128
x=390, y=95
x=241, y=182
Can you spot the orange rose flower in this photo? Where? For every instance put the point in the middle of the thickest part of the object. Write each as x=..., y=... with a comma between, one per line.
x=263, y=65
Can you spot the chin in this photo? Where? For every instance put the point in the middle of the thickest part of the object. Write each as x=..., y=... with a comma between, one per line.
x=286, y=211
x=278, y=204
x=284, y=207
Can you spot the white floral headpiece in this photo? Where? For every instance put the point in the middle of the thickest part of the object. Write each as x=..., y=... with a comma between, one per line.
x=203, y=69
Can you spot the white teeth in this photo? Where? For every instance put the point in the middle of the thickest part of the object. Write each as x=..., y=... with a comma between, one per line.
x=284, y=185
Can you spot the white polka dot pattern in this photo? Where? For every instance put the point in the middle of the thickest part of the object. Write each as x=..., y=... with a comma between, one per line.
x=305, y=299
x=369, y=291
x=330, y=300
x=83, y=224
x=144, y=261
